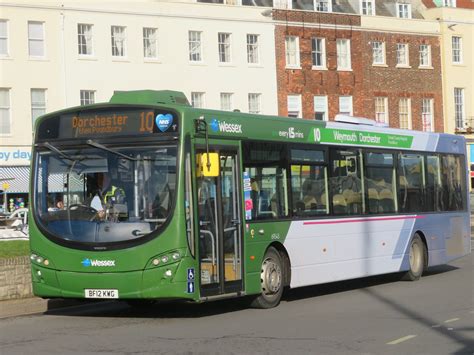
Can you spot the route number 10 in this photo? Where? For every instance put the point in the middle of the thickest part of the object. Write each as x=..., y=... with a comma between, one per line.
x=146, y=121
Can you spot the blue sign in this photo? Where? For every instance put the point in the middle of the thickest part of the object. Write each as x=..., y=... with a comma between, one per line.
x=214, y=124
x=191, y=274
x=86, y=262
x=163, y=122
x=190, y=286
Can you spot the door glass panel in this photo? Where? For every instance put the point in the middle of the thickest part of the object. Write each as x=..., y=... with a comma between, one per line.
x=208, y=230
x=220, y=225
x=231, y=218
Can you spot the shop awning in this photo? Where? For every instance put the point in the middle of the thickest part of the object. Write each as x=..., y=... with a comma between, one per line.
x=18, y=179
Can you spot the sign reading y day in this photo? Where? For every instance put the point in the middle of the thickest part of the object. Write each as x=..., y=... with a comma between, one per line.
x=15, y=156
x=345, y=136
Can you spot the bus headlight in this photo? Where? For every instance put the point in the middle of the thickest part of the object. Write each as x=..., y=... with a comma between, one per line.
x=39, y=260
x=165, y=259
x=175, y=256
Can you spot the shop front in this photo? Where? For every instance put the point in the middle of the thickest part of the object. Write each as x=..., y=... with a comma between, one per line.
x=14, y=178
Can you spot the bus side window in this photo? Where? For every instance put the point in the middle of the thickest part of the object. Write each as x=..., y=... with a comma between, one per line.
x=346, y=183
x=308, y=184
x=453, y=183
x=411, y=182
x=433, y=190
x=380, y=182
x=266, y=165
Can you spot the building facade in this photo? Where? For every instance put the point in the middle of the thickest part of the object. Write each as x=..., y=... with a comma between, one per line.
x=388, y=69
x=55, y=55
x=456, y=19
x=405, y=63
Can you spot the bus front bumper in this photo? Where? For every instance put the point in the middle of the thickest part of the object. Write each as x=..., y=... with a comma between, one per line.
x=142, y=284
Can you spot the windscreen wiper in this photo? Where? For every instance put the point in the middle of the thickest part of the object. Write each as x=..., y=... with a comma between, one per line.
x=100, y=146
x=59, y=152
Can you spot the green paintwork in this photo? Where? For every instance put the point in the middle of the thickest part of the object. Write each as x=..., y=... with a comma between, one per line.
x=150, y=97
x=255, y=246
x=374, y=139
x=134, y=274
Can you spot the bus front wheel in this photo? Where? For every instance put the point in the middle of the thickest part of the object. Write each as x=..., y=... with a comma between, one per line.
x=271, y=280
x=417, y=257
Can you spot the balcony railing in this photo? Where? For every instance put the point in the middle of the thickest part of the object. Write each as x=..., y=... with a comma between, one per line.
x=466, y=126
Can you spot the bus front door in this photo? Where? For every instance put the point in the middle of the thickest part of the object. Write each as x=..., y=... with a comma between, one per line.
x=220, y=223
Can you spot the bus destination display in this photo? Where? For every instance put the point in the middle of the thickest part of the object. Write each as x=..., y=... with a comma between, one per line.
x=117, y=122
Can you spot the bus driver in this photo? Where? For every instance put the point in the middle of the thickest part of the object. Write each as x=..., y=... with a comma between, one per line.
x=106, y=194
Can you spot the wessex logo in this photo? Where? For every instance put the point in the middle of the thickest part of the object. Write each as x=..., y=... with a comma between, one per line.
x=89, y=262
x=223, y=126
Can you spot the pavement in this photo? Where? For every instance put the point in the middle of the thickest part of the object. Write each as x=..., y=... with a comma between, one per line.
x=12, y=234
x=34, y=305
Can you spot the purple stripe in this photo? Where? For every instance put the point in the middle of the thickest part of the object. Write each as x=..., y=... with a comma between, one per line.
x=364, y=220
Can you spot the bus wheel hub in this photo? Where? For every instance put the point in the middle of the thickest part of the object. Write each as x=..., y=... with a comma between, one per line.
x=270, y=276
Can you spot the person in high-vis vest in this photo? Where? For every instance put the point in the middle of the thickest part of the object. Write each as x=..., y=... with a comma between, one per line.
x=114, y=195
x=107, y=196
x=114, y=200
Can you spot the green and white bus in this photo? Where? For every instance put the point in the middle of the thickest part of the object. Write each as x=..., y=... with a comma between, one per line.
x=218, y=204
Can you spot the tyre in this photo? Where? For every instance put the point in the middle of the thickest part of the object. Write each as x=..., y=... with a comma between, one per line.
x=271, y=279
x=418, y=257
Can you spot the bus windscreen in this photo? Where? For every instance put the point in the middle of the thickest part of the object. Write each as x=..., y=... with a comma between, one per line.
x=99, y=195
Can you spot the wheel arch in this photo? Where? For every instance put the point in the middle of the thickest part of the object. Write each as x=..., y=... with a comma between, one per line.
x=286, y=260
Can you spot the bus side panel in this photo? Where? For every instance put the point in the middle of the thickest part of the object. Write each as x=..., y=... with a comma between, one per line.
x=256, y=243
x=447, y=236
x=340, y=249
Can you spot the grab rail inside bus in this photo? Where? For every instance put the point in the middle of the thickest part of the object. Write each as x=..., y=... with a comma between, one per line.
x=213, y=246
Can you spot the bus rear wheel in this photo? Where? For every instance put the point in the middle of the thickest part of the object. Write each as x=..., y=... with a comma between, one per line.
x=271, y=280
x=417, y=257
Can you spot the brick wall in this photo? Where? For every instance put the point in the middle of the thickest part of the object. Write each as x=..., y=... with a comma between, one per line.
x=395, y=83
x=364, y=81
x=15, y=278
x=309, y=82
x=465, y=4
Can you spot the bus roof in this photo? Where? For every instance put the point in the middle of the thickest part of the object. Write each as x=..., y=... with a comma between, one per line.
x=265, y=127
x=239, y=125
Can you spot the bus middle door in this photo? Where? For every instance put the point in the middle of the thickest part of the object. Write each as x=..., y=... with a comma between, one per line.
x=220, y=224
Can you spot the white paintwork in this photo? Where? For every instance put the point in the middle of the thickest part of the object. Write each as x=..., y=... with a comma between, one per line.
x=328, y=250
x=347, y=248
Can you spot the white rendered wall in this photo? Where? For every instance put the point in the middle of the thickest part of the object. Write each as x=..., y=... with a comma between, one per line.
x=64, y=73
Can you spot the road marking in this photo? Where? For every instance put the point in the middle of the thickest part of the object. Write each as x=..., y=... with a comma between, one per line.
x=436, y=326
x=451, y=320
x=398, y=341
